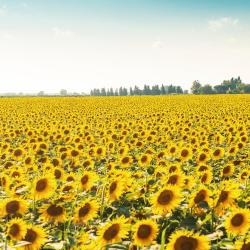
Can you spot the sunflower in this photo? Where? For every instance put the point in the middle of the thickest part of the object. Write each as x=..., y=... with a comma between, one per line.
x=36, y=236
x=227, y=194
x=186, y=240
x=202, y=157
x=201, y=195
x=232, y=151
x=166, y=199
x=242, y=244
x=100, y=152
x=144, y=160
x=227, y=170
x=243, y=176
x=43, y=187
x=175, y=179
x=86, y=211
x=58, y=173
x=16, y=229
x=70, y=177
x=145, y=232
x=238, y=222
x=126, y=161
x=206, y=177
x=172, y=150
x=188, y=182
x=68, y=191
x=203, y=167
x=115, y=189
x=4, y=181
x=29, y=161
x=13, y=206
x=88, y=163
x=217, y=153
x=53, y=213
x=174, y=168
x=113, y=231
x=185, y=154
x=87, y=180
x=18, y=154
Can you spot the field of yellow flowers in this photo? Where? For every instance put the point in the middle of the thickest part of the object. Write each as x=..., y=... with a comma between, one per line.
x=94, y=173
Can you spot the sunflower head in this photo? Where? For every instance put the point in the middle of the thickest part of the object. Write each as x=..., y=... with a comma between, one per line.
x=166, y=199
x=36, y=236
x=13, y=207
x=145, y=232
x=186, y=240
x=43, y=187
x=16, y=229
x=113, y=231
x=238, y=222
x=86, y=211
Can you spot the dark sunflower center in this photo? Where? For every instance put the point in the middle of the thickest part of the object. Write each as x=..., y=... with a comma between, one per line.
x=55, y=162
x=216, y=152
x=54, y=210
x=41, y=185
x=203, y=168
x=232, y=150
x=144, y=159
x=112, y=187
x=12, y=207
x=74, y=153
x=31, y=236
x=84, y=179
x=244, y=175
x=70, y=178
x=15, y=174
x=200, y=197
x=160, y=155
x=226, y=170
x=144, y=231
x=237, y=220
x=86, y=163
x=246, y=246
x=111, y=232
x=3, y=181
x=172, y=169
x=83, y=211
x=204, y=178
x=186, y=243
x=67, y=188
x=184, y=153
x=14, y=230
x=28, y=160
x=125, y=160
x=99, y=151
x=172, y=150
x=18, y=152
x=202, y=157
x=58, y=174
x=223, y=196
x=172, y=179
x=165, y=197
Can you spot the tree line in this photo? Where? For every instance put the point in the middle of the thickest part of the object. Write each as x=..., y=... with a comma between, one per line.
x=147, y=90
x=232, y=86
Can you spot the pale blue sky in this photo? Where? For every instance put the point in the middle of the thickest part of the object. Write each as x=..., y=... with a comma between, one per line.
x=81, y=44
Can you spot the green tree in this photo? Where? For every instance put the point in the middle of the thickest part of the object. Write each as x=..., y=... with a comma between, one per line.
x=206, y=90
x=163, y=90
x=196, y=87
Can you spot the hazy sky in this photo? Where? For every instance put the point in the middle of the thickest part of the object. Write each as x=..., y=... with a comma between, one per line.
x=81, y=44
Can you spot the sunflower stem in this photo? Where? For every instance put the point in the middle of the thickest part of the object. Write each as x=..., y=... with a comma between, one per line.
x=102, y=199
x=34, y=208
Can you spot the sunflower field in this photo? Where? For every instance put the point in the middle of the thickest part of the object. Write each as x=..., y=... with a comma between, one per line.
x=140, y=172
